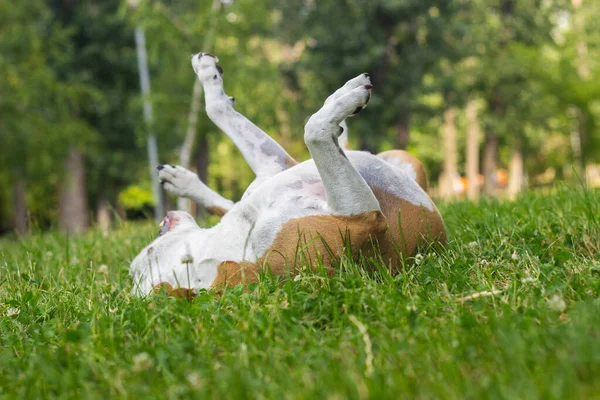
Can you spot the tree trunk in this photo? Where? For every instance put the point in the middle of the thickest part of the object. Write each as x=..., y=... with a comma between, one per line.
x=490, y=163
x=103, y=215
x=152, y=148
x=20, y=207
x=490, y=150
x=202, y=161
x=185, y=154
x=403, y=127
x=583, y=68
x=515, y=170
x=472, y=156
x=450, y=167
x=168, y=201
x=285, y=131
x=576, y=140
x=578, y=132
x=73, y=208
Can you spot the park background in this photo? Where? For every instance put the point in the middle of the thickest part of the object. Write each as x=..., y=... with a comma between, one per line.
x=494, y=96
x=503, y=93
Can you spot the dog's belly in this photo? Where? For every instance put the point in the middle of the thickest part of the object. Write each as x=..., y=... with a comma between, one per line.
x=298, y=193
x=292, y=226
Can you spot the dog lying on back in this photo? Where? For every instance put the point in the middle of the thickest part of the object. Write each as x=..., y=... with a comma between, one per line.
x=339, y=202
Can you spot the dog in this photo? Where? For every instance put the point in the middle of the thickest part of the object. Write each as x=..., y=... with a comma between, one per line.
x=293, y=214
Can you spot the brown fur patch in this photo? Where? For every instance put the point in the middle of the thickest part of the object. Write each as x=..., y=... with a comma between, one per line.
x=406, y=157
x=217, y=210
x=321, y=239
x=231, y=274
x=307, y=241
x=409, y=225
x=180, y=293
x=399, y=229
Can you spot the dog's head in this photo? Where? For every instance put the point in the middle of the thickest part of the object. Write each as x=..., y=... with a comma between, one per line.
x=178, y=256
x=176, y=220
x=205, y=66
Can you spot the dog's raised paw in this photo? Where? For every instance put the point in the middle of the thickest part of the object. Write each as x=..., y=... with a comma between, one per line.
x=363, y=95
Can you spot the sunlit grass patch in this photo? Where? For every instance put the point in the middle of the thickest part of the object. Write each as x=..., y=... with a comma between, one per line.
x=509, y=310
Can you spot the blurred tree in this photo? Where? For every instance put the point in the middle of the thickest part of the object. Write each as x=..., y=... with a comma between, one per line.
x=37, y=108
x=560, y=73
x=250, y=57
x=472, y=152
x=497, y=29
x=70, y=75
x=102, y=56
x=450, y=171
x=70, y=112
x=397, y=42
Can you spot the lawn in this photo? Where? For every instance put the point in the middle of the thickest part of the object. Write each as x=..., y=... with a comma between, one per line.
x=510, y=309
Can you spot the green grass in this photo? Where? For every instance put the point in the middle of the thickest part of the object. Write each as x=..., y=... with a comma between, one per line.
x=69, y=328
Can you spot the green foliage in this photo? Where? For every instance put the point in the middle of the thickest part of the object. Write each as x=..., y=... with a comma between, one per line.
x=449, y=51
x=70, y=80
x=69, y=72
x=397, y=42
x=135, y=197
x=69, y=327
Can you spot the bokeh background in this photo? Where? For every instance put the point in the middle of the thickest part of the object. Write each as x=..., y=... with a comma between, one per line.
x=494, y=96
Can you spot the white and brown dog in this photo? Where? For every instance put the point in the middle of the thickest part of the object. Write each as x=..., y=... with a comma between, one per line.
x=293, y=214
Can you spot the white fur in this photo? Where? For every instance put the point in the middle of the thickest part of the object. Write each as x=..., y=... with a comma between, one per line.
x=347, y=192
x=264, y=155
x=332, y=183
x=185, y=183
x=403, y=165
x=361, y=80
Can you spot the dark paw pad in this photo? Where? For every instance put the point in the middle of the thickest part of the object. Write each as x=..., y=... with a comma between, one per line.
x=358, y=109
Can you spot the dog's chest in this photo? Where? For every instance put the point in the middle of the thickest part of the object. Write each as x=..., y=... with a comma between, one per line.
x=292, y=196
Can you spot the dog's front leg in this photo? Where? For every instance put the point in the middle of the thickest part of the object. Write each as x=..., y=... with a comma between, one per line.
x=263, y=154
x=184, y=183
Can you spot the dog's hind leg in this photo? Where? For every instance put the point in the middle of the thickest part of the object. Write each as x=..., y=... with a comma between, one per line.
x=263, y=154
x=362, y=79
x=346, y=190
